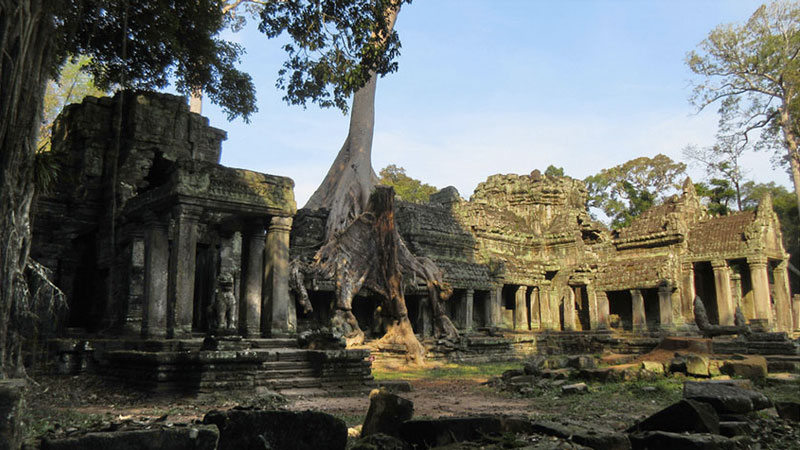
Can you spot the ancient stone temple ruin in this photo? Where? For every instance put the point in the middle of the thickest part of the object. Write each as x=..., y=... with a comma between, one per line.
x=157, y=245
x=141, y=226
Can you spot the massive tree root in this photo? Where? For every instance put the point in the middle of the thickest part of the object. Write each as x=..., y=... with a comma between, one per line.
x=369, y=253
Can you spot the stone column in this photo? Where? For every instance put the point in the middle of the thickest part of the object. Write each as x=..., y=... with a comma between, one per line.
x=736, y=290
x=796, y=312
x=760, y=282
x=637, y=310
x=490, y=309
x=156, y=266
x=687, y=292
x=546, y=307
x=252, y=280
x=536, y=308
x=722, y=285
x=783, y=306
x=569, y=308
x=469, y=299
x=520, y=310
x=665, y=306
x=276, y=274
x=132, y=322
x=182, y=270
x=591, y=294
x=603, y=310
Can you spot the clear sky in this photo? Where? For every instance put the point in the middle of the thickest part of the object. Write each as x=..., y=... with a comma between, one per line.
x=504, y=86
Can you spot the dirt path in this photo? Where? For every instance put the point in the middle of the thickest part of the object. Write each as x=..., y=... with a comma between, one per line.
x=432, y=398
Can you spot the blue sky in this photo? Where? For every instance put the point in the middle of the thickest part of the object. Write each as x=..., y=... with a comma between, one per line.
x=504, y=86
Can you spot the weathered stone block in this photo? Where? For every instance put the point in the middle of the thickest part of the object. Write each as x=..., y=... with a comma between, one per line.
x=753, y=367
x=192, y=437
x=590, y=437
x=577, y=388
x=653, y=367
x=788, y=410
x=386, y=413
x=379, y=441
x=431, y=433
x=685, y=416
x=725, y=398
x=278, y=430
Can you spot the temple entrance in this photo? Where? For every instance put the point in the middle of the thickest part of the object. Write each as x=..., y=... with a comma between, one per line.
x=480, y=309
x=652, y=308
x=582, y=318
x=705, y=287
x=620, y=310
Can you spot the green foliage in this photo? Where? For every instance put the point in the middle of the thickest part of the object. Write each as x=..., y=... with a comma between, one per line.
x=142, y=44
x=553, y=171
x=335, y=46
x=752, y=71
x=407, y=188
x=722, y=162
x=719, y=193
x=627, y=190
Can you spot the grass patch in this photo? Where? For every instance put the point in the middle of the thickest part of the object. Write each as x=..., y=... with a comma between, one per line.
x=444, y=371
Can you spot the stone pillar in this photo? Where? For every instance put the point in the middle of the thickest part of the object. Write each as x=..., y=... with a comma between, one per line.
x=490, y=309
x=796, y=312
x=568, y=300
x=469, y=300
x=181, y=271
x=536, y=308
x=687, y=292
x=603, y=310
x=665, y=306
x=637, y=310
x=783, y=306
x=520, y=309
x=252, y=280
x=546, y=307
x=156, y=266
x=276, y=274
x=591, y=294
x=425, y=318
x=736, y=290
x=760, y=282
x=132, y=322
x=722, y=285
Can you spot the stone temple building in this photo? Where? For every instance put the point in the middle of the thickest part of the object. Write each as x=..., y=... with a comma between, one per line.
x=144, y=228
x=143, y=225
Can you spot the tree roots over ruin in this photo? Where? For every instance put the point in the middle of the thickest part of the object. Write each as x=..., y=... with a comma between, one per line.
x=369, y=253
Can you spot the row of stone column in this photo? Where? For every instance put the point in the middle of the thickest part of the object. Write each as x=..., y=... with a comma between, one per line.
x=728, y=292
x=169, y=276
x=545, y=305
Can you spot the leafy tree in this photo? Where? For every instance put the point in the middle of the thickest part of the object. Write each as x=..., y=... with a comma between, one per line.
x=722, y=162
x=407, y=188
x=719, y=193
x=752, y=72
x=553, y=171
x=72, y=85
x=627, y=190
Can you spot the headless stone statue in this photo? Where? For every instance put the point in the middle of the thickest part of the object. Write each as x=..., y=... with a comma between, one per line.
x=223, y=309
x=708, y=330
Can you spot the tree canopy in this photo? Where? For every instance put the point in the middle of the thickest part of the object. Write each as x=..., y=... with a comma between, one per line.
x=627, y=190
x=405, y=187
x=752, y=72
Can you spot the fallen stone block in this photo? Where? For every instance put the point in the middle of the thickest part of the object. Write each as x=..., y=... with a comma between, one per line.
x=653, y=367
x=581, y=362
x=577, y=388
x=556, y=374
x=685, y=416
x=523, y=380
x=697, y=365
x=788, y=410
x=663, y=440
x=386, y=413
x=589, y=437
x=277, y=430
x=395, y=386
x=429, y=433
x=192, y=437
x=725, y=398
x=612, y=373
x=752, y=367
x=511, y=373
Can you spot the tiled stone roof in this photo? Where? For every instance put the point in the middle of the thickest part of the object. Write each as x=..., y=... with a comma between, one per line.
x=724, y=234
x=630, y=274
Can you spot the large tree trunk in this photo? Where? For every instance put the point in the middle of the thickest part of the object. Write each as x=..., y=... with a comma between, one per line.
x=790, y=130
x=363, y=248
x=25, y=61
